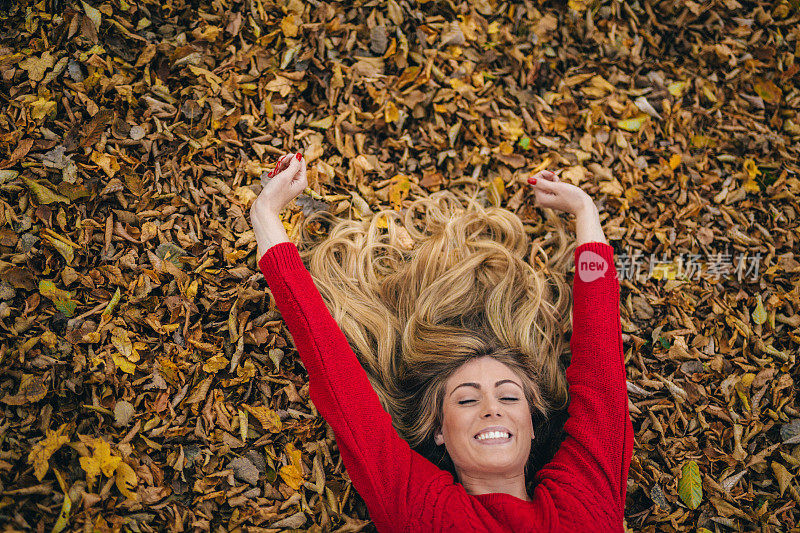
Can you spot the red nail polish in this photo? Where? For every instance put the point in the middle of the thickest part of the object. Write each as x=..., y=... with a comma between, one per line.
x=532, y=181
x=299, y=156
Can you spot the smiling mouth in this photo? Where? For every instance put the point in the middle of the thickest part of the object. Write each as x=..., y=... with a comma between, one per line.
x=493, y=437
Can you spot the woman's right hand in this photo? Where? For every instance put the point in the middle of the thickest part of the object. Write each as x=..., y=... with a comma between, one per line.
x=555, y=194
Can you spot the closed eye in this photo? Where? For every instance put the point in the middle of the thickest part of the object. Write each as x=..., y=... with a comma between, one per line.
x=464, y=402
x=510, y=399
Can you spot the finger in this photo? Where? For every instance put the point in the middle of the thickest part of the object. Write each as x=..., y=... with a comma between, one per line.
x=276, y=168
x=302, y=173
x=283, y=162
x=548, y=175
x=292, y=166
x=541, y=182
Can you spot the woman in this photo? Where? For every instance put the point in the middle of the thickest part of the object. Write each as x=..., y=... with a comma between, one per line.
x=467, y=390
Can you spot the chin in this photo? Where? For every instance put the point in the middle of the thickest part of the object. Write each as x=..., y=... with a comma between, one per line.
x=501, y=465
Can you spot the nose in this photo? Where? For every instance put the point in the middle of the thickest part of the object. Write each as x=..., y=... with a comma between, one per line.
x=492, y=408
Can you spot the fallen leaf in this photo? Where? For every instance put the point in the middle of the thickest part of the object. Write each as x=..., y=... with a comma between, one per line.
x=41, y=452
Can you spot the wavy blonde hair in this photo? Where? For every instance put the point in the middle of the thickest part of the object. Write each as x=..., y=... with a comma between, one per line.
x=419, y=293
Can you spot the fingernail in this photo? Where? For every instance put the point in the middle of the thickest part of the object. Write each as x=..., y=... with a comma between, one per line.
x=299, y=156
x=532, y=181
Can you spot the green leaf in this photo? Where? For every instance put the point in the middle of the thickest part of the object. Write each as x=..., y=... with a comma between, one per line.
x=690, y=486
x=61, y=299
x=43, y=194
x=632, y=124
x=112, y=303
x=63, y=516
x=172, y=253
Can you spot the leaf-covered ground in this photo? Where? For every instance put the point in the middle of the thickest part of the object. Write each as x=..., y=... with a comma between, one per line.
x=148, y=382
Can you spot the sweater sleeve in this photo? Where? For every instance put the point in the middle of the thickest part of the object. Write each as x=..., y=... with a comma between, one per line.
x=384, y=470
x=595, y=456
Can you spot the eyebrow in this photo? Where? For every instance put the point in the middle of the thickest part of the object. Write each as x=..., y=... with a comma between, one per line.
x=477, y=386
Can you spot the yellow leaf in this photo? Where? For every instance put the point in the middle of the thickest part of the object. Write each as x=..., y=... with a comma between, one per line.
x=612, y=187
x=66, y=251
x=676, y=88
x=702, y=141
x=93, y=14
x=291, y=476
x=127, y=481
x=337, y=80
x=760, y=314
x=541, y=166
x=601, y=83
x=212, y=79
x=105, y=161
x=709, y=94
x=121, y=340
x=245, y=196
x=674, y=161
x=496, y=190
x=243, y=426
x=690, y=485
x=767, y=90
x=123, y=364
x=41, y=452
x=632, y=124
x=281, y=85
x=391, y=113
x=215, y=363
x=268, y=418
x=751, y=168
x=292, y=473
x=36, y=66
x=42, y=107
x=512, y=130
x=289, y=26
x=101, y=460
x=323, y=123
x=577, y=5
x=398, y=190
x=456, y=84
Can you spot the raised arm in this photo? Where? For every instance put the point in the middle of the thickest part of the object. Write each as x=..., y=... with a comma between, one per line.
x=595, y=457
x=596, y=454
x=384, y=470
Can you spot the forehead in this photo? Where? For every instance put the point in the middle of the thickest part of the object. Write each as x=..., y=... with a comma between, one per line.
x=483, y=370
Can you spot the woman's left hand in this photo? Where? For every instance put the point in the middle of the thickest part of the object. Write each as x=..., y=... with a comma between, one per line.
x=283, y=184
x=555, y=194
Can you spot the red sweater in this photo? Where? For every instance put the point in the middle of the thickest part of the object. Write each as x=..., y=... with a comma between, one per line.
x=582, y=489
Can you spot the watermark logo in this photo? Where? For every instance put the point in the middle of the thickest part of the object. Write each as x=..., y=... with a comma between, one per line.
x=591, y=266
x=688, y=267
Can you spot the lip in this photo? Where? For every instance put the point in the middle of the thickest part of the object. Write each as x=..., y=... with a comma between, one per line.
x=494, y=428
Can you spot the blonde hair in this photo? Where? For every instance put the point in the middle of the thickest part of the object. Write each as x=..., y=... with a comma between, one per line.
x=418, y=296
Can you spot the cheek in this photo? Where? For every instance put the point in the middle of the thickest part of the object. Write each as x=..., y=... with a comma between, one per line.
x=454, y=424
x=524, y=420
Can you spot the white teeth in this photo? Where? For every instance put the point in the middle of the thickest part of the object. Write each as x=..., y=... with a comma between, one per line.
x=493, y=435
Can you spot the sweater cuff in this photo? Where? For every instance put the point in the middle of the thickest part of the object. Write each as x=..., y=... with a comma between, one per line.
x=280, y=258
x=595, y=260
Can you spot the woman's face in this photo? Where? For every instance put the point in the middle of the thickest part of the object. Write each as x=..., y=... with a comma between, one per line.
x=486, y=425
